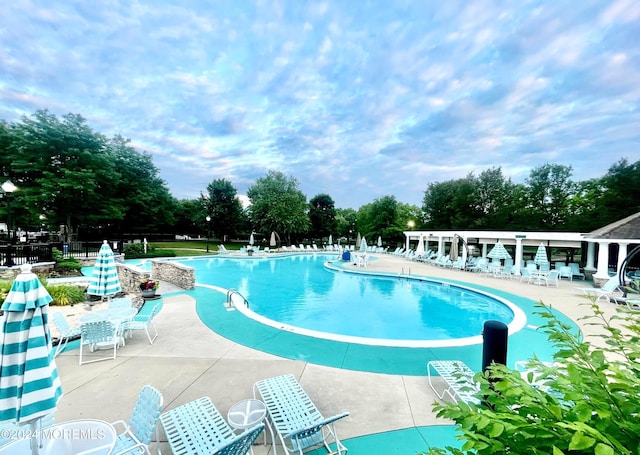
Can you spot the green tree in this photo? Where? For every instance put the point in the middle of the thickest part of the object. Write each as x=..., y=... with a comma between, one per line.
x=550, y=190
x=619, y=199
x=586, y=402
x=347, y=224
x=143, y=202
x=61, y=169
x=188, y=214
x=278, y=205
x=223, y=206
x=450, y=205
x=380, y=219
x=492, y=195
x=322, y=217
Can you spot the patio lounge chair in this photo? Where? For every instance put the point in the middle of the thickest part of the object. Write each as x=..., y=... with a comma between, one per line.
x=198, y=427
x=138, y=432
x=294, y=417
x=606, y=291
x=65, y=330
x=458, y=378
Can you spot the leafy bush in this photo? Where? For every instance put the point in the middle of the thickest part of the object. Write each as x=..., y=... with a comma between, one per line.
x=5, y=287
x=63, y=294
x=136, y=251
x=587, y=402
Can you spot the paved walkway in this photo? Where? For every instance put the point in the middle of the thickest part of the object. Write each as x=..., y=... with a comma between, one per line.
x=188, y=361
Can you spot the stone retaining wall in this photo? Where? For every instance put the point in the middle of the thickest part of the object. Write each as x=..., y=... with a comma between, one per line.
x=177, y=274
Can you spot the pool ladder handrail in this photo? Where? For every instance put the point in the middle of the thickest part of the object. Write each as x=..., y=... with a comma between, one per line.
x=231, y=293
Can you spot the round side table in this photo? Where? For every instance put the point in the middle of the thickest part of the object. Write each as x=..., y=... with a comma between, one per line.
x=246, y=414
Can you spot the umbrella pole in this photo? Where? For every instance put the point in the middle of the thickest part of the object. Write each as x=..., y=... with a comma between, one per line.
x=36, y=437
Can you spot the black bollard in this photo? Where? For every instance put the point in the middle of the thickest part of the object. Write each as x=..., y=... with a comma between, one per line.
x=494, y=349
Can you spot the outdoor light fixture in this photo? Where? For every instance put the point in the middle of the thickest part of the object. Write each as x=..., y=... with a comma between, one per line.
x=8, y=187
x=208, y=218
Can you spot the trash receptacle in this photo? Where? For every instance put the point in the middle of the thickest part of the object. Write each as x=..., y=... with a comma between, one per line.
x=346, y=255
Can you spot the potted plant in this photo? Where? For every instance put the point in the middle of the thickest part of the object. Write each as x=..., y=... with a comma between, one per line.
x=148, y=287
x=250, y=250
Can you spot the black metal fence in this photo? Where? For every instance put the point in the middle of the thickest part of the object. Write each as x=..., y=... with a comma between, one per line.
x=29, y=253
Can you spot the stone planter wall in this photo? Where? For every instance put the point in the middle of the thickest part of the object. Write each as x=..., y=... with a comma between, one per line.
x=177, y=274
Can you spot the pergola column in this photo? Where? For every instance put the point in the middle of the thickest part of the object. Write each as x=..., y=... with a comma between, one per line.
x=602, y=271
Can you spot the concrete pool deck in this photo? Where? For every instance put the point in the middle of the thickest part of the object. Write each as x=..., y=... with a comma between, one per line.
x=188, y=360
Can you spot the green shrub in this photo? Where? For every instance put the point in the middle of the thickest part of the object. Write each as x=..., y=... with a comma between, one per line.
x=63, y=294
x=5, y=287
x=586, y=403
x=136, y=251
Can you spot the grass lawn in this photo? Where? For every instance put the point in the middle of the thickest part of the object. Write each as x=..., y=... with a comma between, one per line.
x=194, y=247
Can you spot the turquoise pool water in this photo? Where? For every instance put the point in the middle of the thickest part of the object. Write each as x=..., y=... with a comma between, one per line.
x=299, y=291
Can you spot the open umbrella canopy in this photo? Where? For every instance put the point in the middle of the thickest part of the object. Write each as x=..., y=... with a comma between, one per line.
x=104, y=280
x=499, y=252
x=541, y=255
x=29, y=383
x=363, y=244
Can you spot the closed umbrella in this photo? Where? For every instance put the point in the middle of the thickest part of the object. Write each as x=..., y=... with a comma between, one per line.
x=499, y=252
x=272, y=240
x=104, y=280
x=330, y=239
x=453, y=252
x=363, y=244
x=379, y=241
x=541, y=255
x=251, y=240
x=29, y=383
x=358, y=239
x=420, y=247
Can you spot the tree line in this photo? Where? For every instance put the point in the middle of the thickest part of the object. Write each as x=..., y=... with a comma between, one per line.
x=97, y=187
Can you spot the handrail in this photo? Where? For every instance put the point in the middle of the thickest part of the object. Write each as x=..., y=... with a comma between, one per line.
x=231, y=293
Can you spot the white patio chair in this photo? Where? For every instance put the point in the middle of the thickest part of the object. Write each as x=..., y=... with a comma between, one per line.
x=138, y=432
x=144, y=322
x=96, y=335
x=65, y=330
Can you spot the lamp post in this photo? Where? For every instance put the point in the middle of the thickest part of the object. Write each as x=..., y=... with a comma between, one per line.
x=208, y=218
x=8, y=187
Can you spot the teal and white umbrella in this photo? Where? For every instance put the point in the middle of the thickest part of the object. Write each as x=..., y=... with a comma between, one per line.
x=29, y=383
x=363, y=244
x=499, y=252
x=104, y=280
x=541, y=255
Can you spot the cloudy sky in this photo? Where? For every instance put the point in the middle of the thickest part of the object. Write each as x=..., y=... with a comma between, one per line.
x=355, y=98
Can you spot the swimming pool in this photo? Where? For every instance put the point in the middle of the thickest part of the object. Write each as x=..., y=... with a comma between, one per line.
x=299, y=293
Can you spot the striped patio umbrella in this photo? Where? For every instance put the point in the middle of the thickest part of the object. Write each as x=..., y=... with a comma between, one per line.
x=499, y=252
x=541, y=255
x=29, y=383
x=104, y=280
x=363, y=244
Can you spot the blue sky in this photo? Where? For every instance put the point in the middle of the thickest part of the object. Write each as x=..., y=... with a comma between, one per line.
x=355, y=98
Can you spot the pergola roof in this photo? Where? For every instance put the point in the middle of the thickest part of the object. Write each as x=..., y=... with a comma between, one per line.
x=626, y=228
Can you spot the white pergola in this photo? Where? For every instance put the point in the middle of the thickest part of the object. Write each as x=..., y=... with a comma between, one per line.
x=599, y=268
